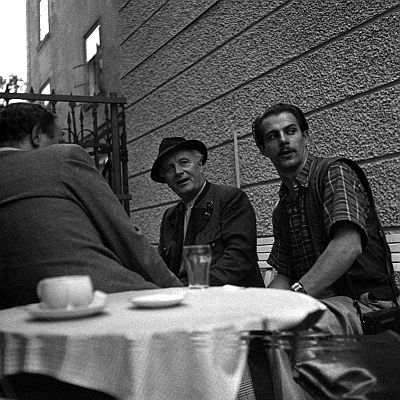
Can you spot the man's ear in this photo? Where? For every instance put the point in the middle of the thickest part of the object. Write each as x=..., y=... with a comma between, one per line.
x=36, y=136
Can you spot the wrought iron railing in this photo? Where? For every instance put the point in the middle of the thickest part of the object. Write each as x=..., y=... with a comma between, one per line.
x=97, y=123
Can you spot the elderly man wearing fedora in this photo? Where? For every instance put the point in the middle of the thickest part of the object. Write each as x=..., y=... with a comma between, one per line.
x=219, y=215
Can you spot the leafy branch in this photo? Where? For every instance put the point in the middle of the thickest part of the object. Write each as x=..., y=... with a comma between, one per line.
x=13, y=84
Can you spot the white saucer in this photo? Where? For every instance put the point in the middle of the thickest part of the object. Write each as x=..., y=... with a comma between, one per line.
x=158, y=300
x=96, y=306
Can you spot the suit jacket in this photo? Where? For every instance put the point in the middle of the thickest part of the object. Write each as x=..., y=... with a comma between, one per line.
x=223, y=217
x=58, y=216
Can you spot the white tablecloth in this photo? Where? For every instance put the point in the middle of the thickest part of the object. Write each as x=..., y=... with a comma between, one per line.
x=192, y=351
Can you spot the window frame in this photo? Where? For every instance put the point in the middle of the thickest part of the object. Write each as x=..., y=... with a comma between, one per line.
x=93, y=66
x=45, y=104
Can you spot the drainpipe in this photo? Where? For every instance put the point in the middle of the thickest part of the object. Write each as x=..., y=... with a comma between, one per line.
x=236, y=153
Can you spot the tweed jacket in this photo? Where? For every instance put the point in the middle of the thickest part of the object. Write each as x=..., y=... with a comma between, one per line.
x=223, y=217
x=58, y=216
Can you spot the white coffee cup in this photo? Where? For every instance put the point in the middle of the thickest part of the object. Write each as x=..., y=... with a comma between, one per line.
x=65, y=292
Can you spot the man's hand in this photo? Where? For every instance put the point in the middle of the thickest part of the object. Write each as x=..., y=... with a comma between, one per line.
x=280, y=282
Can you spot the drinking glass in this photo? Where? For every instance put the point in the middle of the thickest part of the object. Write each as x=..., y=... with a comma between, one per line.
x=197, y=261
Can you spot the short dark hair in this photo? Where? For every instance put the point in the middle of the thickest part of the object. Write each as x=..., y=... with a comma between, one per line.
x=18, y=119
x=277, y=109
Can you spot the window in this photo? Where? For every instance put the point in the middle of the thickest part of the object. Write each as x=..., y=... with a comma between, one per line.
x=46, y=90
x=94, y=62
x=43, y=19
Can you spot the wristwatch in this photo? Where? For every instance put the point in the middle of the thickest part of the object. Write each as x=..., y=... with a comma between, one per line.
x=297, y=287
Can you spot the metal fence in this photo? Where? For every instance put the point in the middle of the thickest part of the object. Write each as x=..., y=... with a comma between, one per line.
x=97, y=123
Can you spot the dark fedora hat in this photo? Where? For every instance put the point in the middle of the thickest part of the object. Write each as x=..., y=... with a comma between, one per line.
x=171, y=145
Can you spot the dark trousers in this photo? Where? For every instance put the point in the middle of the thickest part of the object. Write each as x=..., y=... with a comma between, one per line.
x=26, y=386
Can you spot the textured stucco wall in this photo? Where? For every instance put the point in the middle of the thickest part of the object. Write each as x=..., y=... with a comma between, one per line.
x=205, y=69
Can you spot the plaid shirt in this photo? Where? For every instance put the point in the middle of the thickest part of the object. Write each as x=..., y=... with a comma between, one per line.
x=344, y=199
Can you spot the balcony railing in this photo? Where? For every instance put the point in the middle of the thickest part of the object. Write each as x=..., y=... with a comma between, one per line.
x=97, y=123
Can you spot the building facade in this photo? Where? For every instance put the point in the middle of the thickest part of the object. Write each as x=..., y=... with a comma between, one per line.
x=72, y=46
x=73, y=51
x=205, y=68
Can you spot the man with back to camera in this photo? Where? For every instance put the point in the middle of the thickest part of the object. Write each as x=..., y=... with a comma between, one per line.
x=326, y=232
x=219, y=215
x=58, y=216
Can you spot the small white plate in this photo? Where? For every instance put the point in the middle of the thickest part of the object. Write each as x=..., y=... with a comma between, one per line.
x=158, y=300
x=96, y=306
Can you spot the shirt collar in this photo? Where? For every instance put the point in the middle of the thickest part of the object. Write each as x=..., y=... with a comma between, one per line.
x=190, y=204
x=302, y=178
x=9, y=148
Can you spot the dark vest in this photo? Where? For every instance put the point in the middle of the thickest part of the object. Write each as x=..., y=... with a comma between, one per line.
x=369, y=272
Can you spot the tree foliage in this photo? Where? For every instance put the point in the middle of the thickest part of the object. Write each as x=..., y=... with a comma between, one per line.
x=13, y=83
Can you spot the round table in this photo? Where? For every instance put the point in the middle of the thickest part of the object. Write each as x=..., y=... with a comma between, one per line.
x=193, y=350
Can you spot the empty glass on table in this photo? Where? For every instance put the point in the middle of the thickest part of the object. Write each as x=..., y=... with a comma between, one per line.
x=197, y=261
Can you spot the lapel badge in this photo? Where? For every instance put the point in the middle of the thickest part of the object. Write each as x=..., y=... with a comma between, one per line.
x=209, y=205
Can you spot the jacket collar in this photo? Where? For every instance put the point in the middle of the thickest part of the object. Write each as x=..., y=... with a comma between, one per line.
x=200, y=215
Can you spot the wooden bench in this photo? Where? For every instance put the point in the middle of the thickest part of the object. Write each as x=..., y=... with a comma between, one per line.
x=264, y=246
x=393, y=240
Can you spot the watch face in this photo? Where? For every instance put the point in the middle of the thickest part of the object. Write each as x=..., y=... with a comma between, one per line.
x=297, y=287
